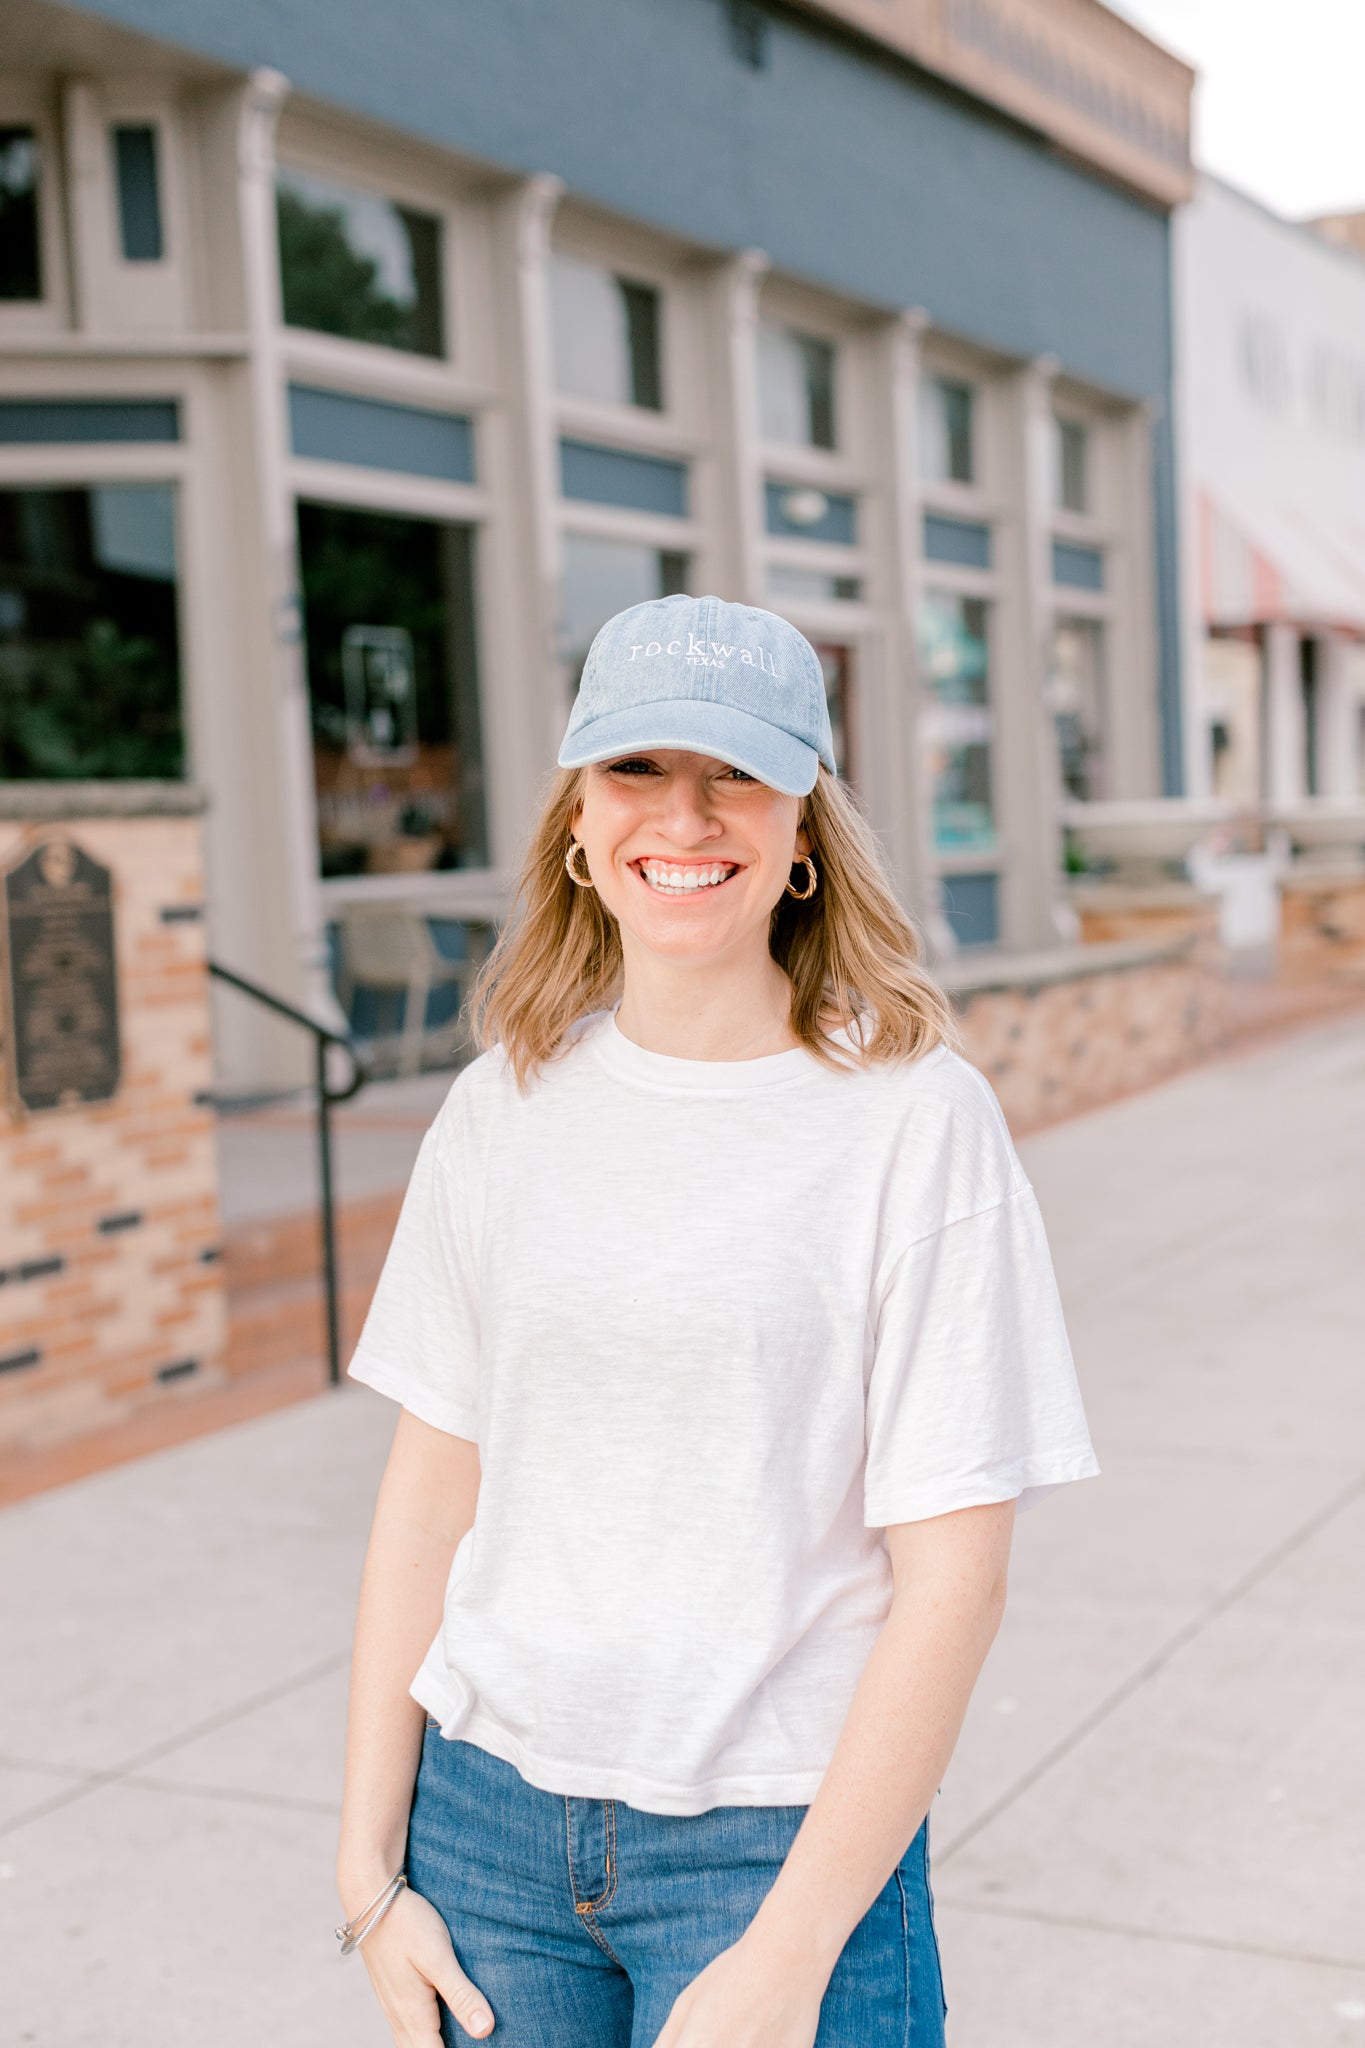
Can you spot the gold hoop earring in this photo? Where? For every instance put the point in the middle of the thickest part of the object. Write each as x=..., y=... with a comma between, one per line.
x=812, y=883
x=581, y=881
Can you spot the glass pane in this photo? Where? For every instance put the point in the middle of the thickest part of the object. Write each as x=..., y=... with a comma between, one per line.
x=1075, y=695
x=946, y=431
x=1070, y=483
x=784, y=581
x=358, y=265
x=20, y=268
x=397, y=745
x=603, y=577
x=139, y=197
x=955, y=659
x=795, y=387
x=606, y=335
x=89, y=647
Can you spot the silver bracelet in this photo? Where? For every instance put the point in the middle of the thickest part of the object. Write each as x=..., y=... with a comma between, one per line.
x=348, y=1935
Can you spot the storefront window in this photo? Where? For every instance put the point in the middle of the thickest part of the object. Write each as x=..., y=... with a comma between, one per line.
x=1071, y=463
x=603, y=577
x=89, y=647
x=20, y=268
x=816, y=585
x=1075, y=695
x=954, y=651
x=795, y=388
x=397, y=748
x=606, y=335
x=947, y=431
x=837, y=664
x=358, y=265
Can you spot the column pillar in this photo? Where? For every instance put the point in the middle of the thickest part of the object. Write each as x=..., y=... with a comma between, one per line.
x=1284, y=733
x=1034, y=912
x=737, y=478
x=526, y=703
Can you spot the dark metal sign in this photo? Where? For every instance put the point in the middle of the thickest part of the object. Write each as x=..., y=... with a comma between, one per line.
x=61, y=986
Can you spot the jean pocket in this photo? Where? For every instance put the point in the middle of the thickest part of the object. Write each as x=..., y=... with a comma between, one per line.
x=432, y=1722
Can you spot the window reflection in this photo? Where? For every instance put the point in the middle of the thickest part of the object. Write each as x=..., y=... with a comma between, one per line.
x=606, y=335
x=397, y=745
x=785, y=581
x=947, y=431
x=795, y=387
x=358, y=265
x=603, y=577
x=954, y=653
x=1075, y=694
x=89, y=647
x=1070, y=459
x=20, y=265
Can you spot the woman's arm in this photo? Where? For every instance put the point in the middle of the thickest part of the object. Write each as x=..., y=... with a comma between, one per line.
x=901, y=1728
x=425, y=1505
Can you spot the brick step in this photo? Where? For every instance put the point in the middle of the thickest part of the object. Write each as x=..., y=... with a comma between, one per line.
x=269, y=1326
x=178, y=1418
x=274, y=1249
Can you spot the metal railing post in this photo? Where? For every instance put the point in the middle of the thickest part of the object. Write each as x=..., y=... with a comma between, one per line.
x=323, y=1036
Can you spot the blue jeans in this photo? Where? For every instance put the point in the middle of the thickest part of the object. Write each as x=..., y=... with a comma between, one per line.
x=581, y=1920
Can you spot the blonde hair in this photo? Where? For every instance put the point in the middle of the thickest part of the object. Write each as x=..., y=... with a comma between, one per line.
x=851, y=953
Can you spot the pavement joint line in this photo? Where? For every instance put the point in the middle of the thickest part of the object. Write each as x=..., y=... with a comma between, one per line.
x=235, y=1794
x=1159, y=1658
x=1158, y=1934
x=116, y=1773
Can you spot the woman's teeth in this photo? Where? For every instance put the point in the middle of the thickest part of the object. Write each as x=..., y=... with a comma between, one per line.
x=681, y=881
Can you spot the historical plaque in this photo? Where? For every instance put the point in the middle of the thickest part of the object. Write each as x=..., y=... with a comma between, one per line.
x=62, y=991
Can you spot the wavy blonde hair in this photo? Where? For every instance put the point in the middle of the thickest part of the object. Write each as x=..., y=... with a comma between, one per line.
x=851, y=954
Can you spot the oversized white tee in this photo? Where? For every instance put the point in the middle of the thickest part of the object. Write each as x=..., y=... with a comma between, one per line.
x=713, y=1326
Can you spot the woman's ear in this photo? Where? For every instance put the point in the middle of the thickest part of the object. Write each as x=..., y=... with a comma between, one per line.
x=803, y=838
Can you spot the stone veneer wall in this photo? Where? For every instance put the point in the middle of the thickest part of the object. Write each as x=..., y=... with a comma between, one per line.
x=112, y=1295
x=1059, y=1032
x=1322, y=925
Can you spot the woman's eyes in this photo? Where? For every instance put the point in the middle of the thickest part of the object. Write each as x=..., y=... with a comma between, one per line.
x=640, y=764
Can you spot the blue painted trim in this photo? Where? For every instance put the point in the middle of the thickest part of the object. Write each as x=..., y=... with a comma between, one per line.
x=408, y=440
x=69, y=420
x=1077, y=568
x=839, y=524
x=1169, y=692
x=963, y=542
x=610, y=476
x=971, y=905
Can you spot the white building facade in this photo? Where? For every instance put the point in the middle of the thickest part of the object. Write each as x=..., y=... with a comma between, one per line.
x=1271, y=399
x=327, y=443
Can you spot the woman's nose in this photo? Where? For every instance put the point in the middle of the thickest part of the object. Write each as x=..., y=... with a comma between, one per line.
x=687, y=815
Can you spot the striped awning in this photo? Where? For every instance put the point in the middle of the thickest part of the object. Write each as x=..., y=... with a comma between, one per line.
x=1262, y=564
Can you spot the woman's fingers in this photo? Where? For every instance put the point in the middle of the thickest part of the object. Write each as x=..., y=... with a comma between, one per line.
x=468, y=2004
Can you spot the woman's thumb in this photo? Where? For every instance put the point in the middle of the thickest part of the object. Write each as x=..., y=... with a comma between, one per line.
x=469, y=2005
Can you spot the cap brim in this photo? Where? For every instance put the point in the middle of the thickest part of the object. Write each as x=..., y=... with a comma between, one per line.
x=764, y=750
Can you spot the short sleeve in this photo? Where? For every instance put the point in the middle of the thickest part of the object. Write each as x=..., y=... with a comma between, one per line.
x=972, y=1395
x=420, y=1343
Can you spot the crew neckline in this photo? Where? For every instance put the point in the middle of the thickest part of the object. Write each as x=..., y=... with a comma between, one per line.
x=667, y=1070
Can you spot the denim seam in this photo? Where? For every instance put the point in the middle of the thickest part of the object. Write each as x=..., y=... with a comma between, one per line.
x=905, y=1954
x=586, y=1908
x=933, y=1924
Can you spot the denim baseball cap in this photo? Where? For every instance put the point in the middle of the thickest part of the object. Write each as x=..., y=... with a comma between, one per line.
x=710, y=677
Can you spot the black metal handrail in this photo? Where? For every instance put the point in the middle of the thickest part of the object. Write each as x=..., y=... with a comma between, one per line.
x=327, y=1096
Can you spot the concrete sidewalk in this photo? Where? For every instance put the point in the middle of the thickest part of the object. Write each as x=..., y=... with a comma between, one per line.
x=1150, y=1835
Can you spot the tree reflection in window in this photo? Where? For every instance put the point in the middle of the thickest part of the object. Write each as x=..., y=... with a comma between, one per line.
x=89, y=648
x=358, y=265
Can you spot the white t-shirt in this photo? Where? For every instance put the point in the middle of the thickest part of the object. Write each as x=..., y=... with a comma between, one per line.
x=713, y=1326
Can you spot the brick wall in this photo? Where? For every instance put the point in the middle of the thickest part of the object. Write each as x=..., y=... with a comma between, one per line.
x=112, y=1294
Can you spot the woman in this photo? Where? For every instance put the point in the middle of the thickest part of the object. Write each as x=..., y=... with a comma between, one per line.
x=720, y=1290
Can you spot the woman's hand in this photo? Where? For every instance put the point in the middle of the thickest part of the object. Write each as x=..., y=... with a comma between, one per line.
x=410, y=1960
x=751, y=1996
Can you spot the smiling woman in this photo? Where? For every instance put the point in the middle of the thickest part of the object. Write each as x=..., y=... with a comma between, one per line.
x=723, y=1320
